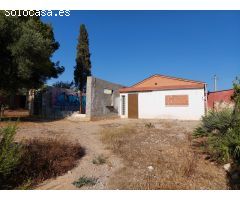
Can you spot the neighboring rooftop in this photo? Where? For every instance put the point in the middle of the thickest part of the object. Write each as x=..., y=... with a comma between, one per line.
x=219, y=96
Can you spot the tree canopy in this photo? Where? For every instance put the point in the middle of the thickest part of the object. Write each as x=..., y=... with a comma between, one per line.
x=26, y=48
x=62, y=84
x=83, y=63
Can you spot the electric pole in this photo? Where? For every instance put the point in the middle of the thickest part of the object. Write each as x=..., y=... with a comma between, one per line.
x=215, y=82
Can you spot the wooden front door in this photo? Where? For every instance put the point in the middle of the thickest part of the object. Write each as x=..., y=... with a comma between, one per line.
x=132, y=105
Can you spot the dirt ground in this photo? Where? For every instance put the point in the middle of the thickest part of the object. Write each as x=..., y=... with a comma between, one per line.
x=116, y=170
x=161, y=154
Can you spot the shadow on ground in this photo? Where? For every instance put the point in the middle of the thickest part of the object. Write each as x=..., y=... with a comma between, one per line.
x=233, y=177
x=23, y=116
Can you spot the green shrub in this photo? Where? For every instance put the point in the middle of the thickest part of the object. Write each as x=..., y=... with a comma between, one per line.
x=149, y=125
x=236, y=99
x=200, y=132
x=225, y=147
x=215, y=122
x=85, y=181
x=10, y=152
x=99, y=160
x=223, y=131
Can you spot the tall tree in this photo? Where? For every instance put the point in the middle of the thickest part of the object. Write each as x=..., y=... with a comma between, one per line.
x=26, y=48
x=83, y=63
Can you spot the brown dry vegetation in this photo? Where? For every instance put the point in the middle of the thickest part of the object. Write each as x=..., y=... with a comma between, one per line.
x=168, y=149
x=43, y=159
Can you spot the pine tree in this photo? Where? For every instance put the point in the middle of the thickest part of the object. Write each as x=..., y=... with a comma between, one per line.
x=26, y=48
x=83, y=63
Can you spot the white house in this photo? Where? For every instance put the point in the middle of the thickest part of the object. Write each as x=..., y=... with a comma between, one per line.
x=164, y=97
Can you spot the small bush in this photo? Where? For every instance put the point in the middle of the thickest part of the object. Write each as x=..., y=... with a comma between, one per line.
x=223, y=131
x=99, y=160
x=200, y=132
x=10, y=152
x=149, y=125
x=226, y=147
x=215, y=122
x=85, y=181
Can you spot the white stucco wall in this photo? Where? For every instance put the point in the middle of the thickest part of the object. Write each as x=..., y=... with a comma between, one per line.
x=151, y=105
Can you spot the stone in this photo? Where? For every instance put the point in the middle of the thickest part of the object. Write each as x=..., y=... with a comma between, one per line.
x=150, y=168
x=227, y=167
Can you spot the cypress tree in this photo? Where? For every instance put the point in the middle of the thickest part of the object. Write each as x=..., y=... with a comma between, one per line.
x=83, y=63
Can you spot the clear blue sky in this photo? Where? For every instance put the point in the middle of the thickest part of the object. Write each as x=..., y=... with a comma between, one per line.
x=128, y=46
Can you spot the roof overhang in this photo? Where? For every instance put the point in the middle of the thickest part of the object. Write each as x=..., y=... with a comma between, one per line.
x=147, y=89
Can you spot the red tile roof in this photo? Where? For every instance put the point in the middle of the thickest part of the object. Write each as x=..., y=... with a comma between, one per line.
x=176, y=87
x=161, y=82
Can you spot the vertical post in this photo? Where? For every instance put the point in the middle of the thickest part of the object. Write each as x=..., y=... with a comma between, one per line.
x=31, y=97
x=80, y=109
x=215, y=83
x=89, y=97
x=206, y=98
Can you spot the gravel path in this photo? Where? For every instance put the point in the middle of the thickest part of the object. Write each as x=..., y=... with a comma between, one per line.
x=88, y=135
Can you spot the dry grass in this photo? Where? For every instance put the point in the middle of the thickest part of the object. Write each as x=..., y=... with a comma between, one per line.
x=99, y=160
x=43, y=159
x=117, y=138
x=168, y=150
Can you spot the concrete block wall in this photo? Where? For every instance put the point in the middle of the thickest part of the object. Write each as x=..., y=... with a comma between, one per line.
x=54, y=103
x=102, y=98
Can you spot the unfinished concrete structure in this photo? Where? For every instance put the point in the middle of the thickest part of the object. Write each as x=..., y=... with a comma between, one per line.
x=102, y=98
x=102, y=101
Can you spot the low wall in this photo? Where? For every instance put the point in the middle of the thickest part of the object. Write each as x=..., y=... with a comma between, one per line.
x=220, y=99
x=102, y=99
x=53, y=103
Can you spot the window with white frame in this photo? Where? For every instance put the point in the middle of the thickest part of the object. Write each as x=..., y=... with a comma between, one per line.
x=123, y=104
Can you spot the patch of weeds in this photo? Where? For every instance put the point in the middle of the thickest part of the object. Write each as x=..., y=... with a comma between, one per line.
x=149, y=125
x=40, y=159
x=99, y=160
x=191, y=165
x=116, y=137
x=26, y=185
x=85, y=181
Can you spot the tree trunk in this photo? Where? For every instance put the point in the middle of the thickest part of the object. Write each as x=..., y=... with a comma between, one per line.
x=2, y=111
x=80, y=97
x=11, y=100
